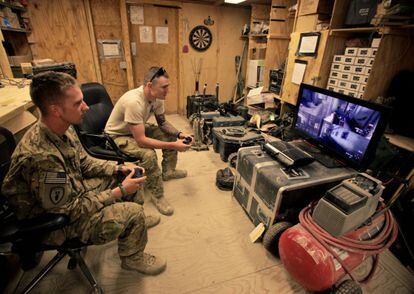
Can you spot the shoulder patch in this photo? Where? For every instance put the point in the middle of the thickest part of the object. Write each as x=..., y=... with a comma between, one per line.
x=55, y=178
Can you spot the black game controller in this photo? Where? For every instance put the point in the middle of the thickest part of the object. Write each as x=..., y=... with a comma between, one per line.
x=187, y=140
x=137, y=173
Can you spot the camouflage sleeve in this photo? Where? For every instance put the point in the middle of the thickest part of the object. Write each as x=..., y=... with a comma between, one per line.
x=165, y=126
x=92, y=167
x=55, y=189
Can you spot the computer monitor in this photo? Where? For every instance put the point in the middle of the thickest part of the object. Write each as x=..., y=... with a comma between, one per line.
x=349, y=128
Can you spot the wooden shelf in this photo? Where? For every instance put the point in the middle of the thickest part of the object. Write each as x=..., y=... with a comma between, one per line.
x=278, y=37
x=353, y=30
x=257, y=35
x=382, y=30
x=19, y=30
x=15, y=7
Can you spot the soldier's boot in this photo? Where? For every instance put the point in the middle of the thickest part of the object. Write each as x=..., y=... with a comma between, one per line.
x=139, y=198
x=163, y=206
x=174, y=174
x=152, y=220
x=144, y=263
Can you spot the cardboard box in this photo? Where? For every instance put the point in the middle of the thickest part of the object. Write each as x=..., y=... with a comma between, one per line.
x=345, y=76
x=364, y=80
x=353, y=87
x=337, y=67
x=347, y=68
x=351, y=93
x=334, y=74
x=375, y=42
x=315, y=7
x=343, y=84
x=356, y=78
x=351, y=51
x=362, y=88
x=365, y=52
x=370, y=62
x=339, y=59
x=341, y=91
x=332, y=82
x=331, y=88
x=359, y=70
x=361, y=61
x=349, y=60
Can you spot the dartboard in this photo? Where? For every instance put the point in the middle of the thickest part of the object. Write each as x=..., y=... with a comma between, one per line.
x=200, y=38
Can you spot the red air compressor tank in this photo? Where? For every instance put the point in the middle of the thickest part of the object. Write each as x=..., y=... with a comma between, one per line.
x=311, y=265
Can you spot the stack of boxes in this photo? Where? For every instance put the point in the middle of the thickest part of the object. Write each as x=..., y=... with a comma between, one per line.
x=350, y=72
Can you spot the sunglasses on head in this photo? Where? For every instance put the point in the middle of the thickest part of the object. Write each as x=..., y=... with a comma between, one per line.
x=160, y=72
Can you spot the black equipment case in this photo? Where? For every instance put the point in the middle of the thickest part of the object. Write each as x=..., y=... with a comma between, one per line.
x=208, y=103
x=268, y=195
x=227, y=140
x=228, y=121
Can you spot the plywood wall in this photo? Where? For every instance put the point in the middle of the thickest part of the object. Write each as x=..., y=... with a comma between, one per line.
x=107, y=26
x=218, y=60
x=60, y=32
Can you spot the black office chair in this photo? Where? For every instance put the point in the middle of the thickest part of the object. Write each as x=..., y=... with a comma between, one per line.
x=91, y=131
x=26, y=235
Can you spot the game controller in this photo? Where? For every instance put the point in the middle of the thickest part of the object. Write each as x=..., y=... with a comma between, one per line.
x=187, y=140
x=137, y=173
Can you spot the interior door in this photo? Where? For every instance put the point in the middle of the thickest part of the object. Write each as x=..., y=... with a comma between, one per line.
x=157, y=53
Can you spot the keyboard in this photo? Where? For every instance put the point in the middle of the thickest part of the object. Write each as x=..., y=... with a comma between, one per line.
x=319, y=155
x=287, y=153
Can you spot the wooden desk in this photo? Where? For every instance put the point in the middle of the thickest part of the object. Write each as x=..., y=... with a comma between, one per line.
x=14, y=105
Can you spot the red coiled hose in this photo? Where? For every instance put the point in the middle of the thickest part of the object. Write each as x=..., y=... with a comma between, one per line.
x=372, y=247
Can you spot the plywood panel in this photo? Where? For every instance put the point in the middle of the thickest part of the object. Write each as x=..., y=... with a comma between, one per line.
x=60, y=32
x=230, y=20
x=107, y=25
x=394, y=55
x=154, y=54
x=218, y=60
x=312, y=73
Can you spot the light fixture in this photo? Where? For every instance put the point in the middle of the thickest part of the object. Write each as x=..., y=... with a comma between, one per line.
x=234, y=1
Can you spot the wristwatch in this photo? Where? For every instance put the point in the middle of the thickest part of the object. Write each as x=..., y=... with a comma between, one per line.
x=123, y=191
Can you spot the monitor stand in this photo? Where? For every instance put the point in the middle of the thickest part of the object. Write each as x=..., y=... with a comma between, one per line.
x=319, y=155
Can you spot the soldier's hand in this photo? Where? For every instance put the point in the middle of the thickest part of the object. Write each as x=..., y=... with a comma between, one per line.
x=132, y=185
x=126, y=169
x=180, y=146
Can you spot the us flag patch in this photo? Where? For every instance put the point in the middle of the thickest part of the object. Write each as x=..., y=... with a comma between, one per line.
x=55, y=178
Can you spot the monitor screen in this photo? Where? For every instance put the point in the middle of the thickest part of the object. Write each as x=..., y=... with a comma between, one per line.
x=347, y=126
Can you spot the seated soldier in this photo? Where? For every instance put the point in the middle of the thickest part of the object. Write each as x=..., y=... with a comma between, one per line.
x=131, y=132
x=50, y=172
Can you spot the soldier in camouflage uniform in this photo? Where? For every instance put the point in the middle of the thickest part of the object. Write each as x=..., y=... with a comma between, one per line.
x=51, y=172
x=130, y=130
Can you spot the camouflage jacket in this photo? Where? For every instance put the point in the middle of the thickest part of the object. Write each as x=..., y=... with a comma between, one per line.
x=47, y=174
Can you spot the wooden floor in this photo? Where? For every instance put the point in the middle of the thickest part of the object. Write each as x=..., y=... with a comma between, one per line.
x=205, y=243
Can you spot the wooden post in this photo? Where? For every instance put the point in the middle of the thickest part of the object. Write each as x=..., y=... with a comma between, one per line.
x=93, y=41
x=4, y=61
x=126, y=43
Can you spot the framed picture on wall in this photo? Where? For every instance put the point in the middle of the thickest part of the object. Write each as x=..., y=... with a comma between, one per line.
x=308, y=44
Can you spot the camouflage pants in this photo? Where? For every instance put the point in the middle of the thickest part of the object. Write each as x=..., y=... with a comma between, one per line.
x=148, y=157
x=124, y=221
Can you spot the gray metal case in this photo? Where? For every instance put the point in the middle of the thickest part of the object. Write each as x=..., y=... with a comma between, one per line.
x=267, y=194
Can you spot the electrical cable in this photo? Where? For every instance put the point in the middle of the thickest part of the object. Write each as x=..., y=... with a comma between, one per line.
x=371, y=247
